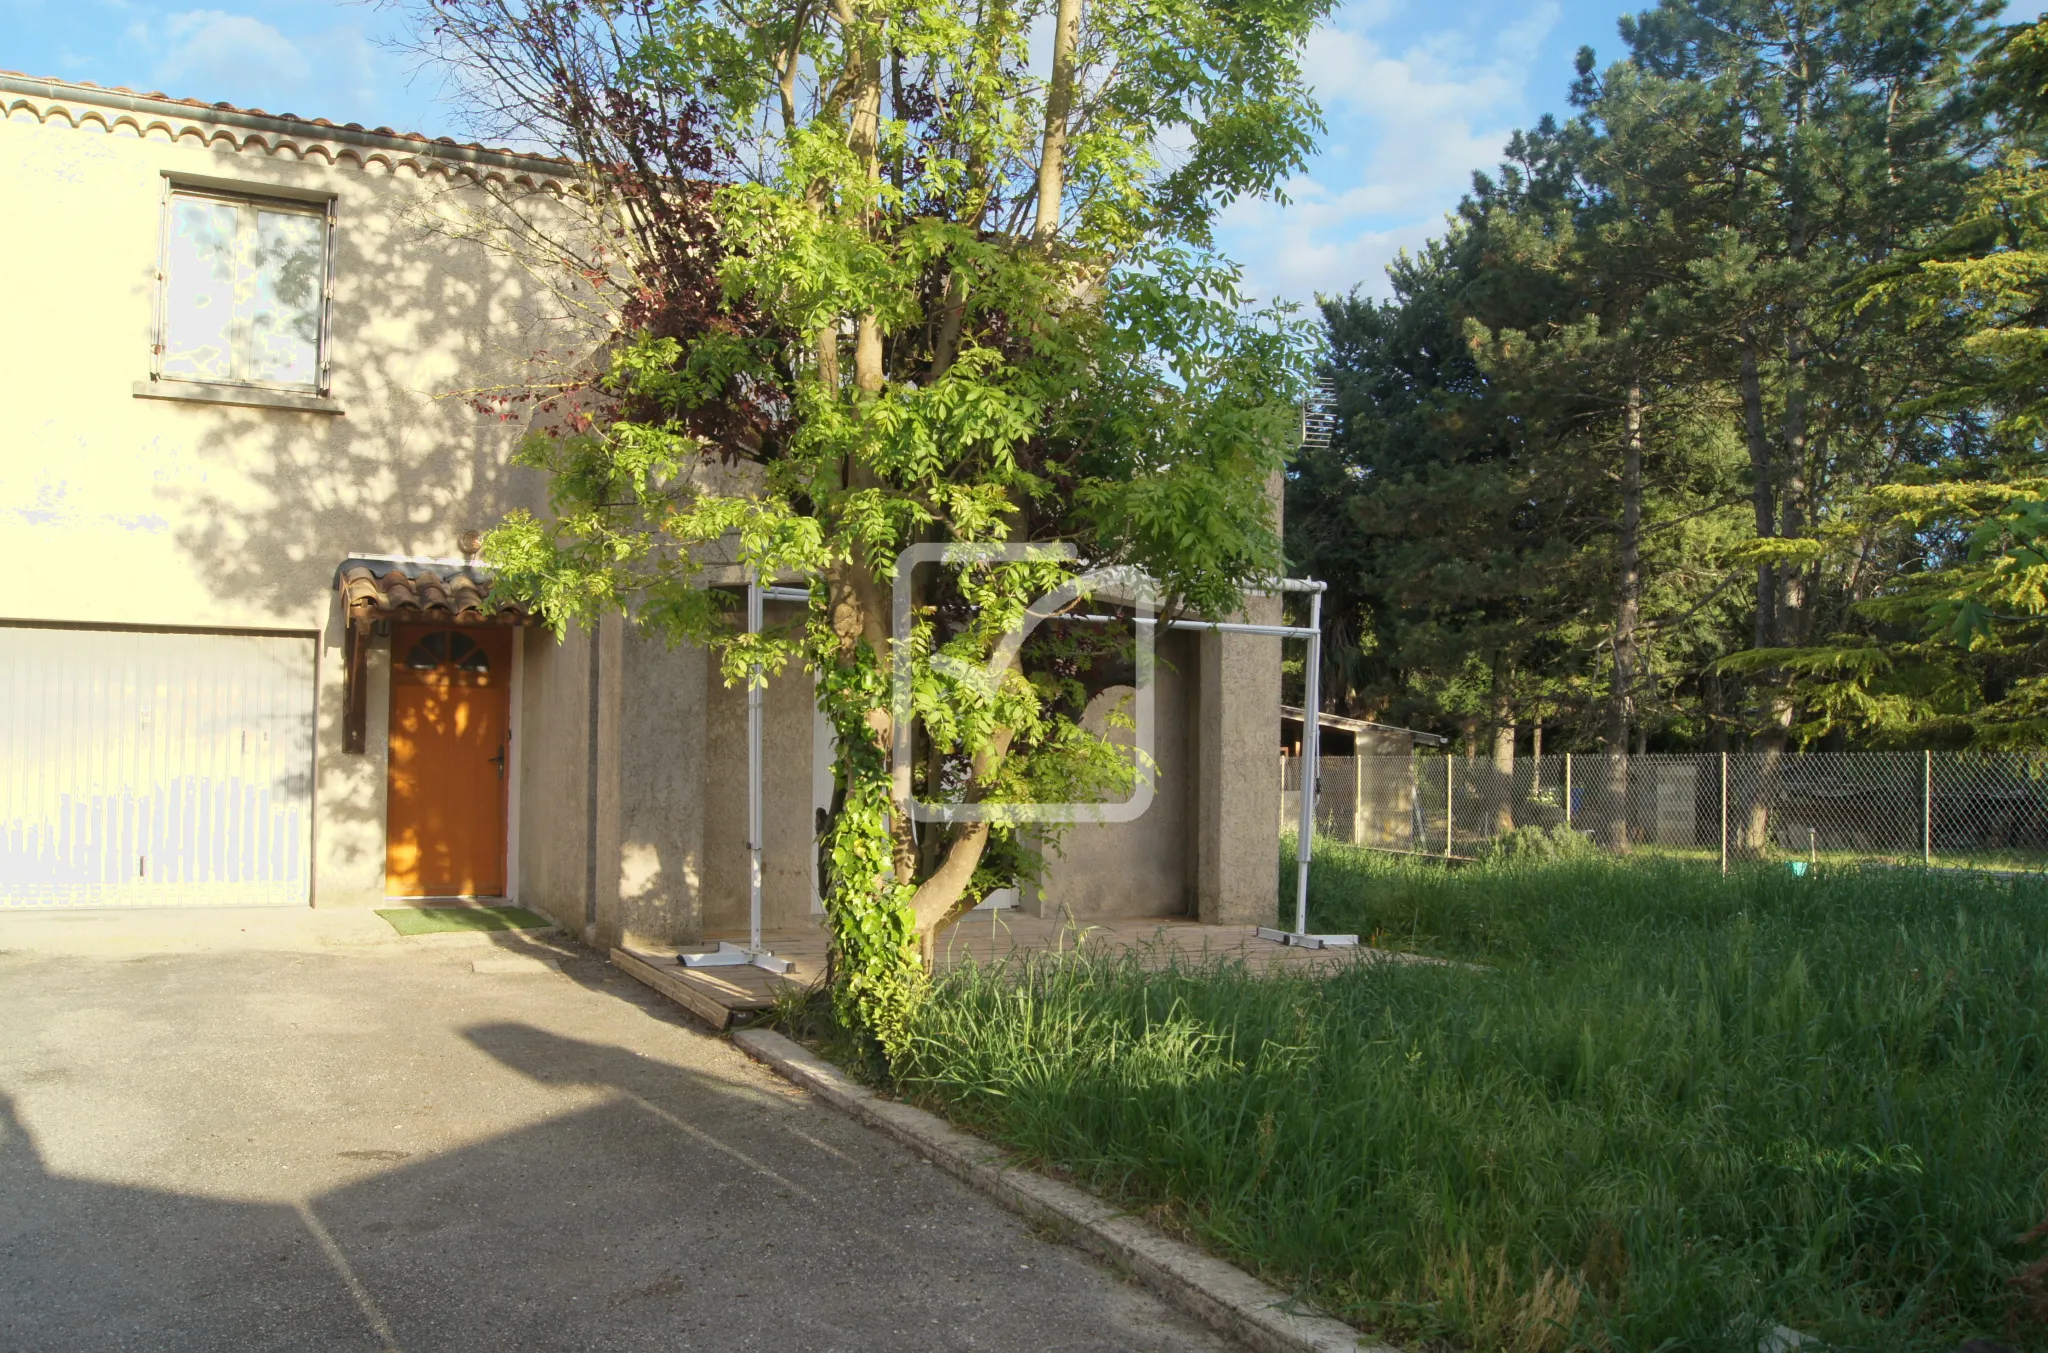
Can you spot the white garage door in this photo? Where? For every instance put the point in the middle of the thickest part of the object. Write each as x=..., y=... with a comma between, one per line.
x=154, y=770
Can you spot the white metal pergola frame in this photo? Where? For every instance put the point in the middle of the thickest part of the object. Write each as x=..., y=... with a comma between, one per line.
x=752, y=954
x=1311, y=740
x=755, y=954
x=1311, y=770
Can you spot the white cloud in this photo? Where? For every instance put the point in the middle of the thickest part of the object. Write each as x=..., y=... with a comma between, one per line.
x=1310, y=248
x=1518, y=40
x=215, y=55
x=209, y=49
x=1409, y=122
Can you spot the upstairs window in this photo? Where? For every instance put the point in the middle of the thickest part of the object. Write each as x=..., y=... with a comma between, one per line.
x=245, y=284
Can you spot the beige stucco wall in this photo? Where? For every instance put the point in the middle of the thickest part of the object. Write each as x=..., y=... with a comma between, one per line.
x=349, y=791
x=115, y=509
x=1207, y=846
x=1144, y=867
x=670, y=827
x=667, y=825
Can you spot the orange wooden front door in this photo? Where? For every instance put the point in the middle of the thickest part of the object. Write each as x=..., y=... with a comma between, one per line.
x=451, y=740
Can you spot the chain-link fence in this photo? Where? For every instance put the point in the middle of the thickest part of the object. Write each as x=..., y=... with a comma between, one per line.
x=1982, y=810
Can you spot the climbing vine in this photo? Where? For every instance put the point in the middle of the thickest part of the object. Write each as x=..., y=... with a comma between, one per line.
x=877, y=979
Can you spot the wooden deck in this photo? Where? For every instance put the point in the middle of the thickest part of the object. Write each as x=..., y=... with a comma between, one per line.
x=717, y=994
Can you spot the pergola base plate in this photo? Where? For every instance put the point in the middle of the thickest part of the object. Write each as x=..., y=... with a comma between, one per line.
x=1305, y=941
x=730, y=955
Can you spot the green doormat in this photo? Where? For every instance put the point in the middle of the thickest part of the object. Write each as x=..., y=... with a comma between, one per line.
x=437, y=920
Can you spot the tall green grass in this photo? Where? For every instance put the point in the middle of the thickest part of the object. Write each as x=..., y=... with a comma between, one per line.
x=1646, y=1109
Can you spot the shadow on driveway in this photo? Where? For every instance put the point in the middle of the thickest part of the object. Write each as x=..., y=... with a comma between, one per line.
x=668, y=1209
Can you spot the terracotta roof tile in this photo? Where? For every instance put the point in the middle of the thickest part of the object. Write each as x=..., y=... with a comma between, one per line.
x=385, y=589
x=292, y=117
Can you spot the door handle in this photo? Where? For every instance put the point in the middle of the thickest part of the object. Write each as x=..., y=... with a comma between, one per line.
x=499, y=761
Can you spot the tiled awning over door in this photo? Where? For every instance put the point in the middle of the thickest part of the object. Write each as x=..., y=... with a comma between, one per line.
x=424, y=592
x=412, y=592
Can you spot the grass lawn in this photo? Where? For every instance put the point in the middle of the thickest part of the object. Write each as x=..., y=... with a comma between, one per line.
x=1652, y=1109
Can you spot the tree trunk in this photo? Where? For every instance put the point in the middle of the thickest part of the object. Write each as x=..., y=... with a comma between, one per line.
x=946, y=862
x=788, y=65
x=941, y=865
x=1503, y=744
x=1714, y=698
x=1790, y=609
x=1753, y=828
x=1772, y=737
x=827, y=343
x=943, y=894
x=1763, y=487
x=1059, y=106
x=864, y=138
x=1627, y=615
x=1792, y=598
x=931, y=838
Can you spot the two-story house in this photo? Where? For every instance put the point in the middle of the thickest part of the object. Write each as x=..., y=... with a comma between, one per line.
x=243, y=655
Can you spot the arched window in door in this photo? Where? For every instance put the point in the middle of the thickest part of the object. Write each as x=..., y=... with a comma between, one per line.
x=441, y=648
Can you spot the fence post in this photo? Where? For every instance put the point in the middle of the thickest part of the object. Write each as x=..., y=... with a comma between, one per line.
x=1567, y=791
x=1418, y=817
x=1724, y=815
x=1450, y=804
x=1358, y=831
x=1927, y=808
x=1283, y=789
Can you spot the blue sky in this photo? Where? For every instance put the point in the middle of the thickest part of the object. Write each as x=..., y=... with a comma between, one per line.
x=1417, y=94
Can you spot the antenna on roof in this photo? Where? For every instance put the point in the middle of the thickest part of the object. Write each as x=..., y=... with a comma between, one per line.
x=1319, y=416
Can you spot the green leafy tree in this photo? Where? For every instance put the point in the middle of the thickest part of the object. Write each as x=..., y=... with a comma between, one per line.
x=1526, y=482
x=1661, y=292
x=961, y=296
x=1592, y=374
x=1957, y=642
x=1432, y=513
x=1825, y=137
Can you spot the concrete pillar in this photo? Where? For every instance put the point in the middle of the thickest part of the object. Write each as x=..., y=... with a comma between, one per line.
x=651, y=827
x=1237, y=735
x=554, y=768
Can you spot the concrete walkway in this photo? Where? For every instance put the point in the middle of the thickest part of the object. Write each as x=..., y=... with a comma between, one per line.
x=287, y=1130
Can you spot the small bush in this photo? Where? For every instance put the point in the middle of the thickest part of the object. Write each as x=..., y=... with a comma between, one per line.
x=1538, y=843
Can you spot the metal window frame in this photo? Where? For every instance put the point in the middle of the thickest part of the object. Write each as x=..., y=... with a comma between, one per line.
x=250, y=197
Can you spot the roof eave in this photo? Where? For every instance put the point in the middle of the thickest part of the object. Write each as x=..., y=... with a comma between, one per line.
x=129, y=101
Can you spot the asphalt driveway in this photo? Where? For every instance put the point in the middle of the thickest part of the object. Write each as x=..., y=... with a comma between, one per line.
x=299, y=1142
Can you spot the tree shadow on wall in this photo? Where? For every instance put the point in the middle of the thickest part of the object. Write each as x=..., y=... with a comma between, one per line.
x=275, y=499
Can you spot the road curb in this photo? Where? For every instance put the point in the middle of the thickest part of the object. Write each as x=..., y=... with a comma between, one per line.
x=1220, y=1295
